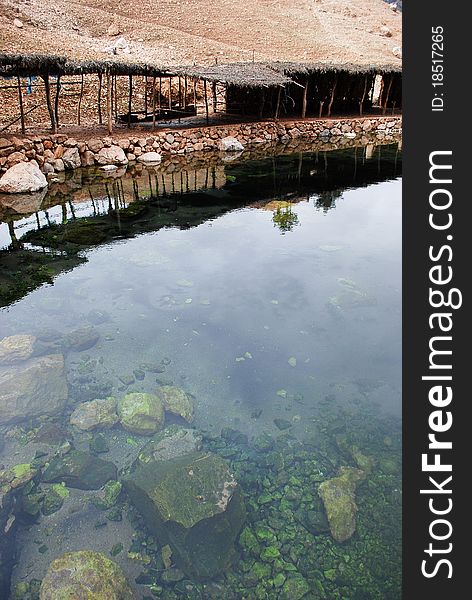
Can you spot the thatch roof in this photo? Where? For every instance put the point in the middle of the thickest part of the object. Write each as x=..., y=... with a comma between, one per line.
x=37, y=64
x=239, y=74
x=293, y=68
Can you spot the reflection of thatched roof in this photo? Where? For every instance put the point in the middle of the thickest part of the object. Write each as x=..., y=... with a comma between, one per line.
x=37, y=64
x=293, y=68
x=239, y=74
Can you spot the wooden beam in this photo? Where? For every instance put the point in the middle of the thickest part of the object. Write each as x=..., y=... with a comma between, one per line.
x=130, y=99
x=363, y=96
x=109, y=99
x=185, y=92
x=331, y=100
x=80, y=98
x=47, y=90
x=170, y=92
x=321, y=108
x=154, y=103
x=100, y=120
x=145, y=96
x=304, y=101
x=384, y=110
x=215, y=99
x=206, y=101
x=22, y=112
x=277, y=106
x=160, y=95
x=56, y=100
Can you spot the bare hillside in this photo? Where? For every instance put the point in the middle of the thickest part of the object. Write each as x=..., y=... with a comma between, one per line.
x=178, y=32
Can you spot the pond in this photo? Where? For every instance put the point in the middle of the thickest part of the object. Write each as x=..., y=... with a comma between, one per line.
x=258, y=302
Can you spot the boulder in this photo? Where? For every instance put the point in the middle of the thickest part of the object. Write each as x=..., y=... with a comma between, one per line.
x=114, y=155
x=141, y=413
x=38, y=387
x=16, y=348
x=96, y=414
x=81, y=339
x=85, y=574
x=88, y=159
x=95, y=145
x=176, y=401
x=338, y=495
x=113, y=30
x=193, y=504
x=71, y=158
x=230, y=144
x=24, y=177
x=150, y=157
x=171, y=442
x=79, y=470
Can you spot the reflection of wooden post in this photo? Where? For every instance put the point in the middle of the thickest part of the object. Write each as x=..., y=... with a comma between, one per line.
x=305, y=94
x=206, y=100
x=277, y=106
x=130, y=97
x=48, y=102
x=100, y=99
x=109, y=113
x=20, y=98
x=153, y=102
x=363, y=96
x=384, y=110
x=80, y=98
x=332, y=96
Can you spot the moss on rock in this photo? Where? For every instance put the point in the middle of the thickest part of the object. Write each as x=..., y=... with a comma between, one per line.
x=85, y=575
x=177, y=402
x=141, y=413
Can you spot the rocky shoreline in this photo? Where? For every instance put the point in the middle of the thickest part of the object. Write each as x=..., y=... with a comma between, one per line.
x=52, y=154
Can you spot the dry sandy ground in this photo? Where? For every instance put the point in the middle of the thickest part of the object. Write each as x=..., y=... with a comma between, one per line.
x=178, y=32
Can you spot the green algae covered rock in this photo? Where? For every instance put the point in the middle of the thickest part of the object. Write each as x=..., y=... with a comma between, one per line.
x=177, y=402
x=80, y=470
x=85, y=575
x=194, y=504
x=141, y=413
x=294, y=588
x=338, y=495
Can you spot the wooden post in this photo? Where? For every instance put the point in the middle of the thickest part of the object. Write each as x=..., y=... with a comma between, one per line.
x=56, y=100
x=180, y=92
x=160, y=95
x=215, y=99
x=363, y=96
x=80, y=98
x=109, y=110
x=185, y=92
x=100, y=120
x=277, y=106
x=331, y=100
x=304, y=101
x=384, y=110
x=206, y=100
x=20, y=98
x=115, y=87
x=153, y=102
x=48, y=102
x=321, y=108
x=170, y=92
x=261, y=106
x=195, y=95
x=145, y=95
x=130, y=97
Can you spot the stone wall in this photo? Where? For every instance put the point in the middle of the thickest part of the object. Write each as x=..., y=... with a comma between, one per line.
x=59, y=152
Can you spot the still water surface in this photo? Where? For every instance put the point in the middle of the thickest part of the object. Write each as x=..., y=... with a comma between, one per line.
x=270, y=294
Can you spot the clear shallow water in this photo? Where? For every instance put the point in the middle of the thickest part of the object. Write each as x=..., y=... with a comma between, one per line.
x=256, y=320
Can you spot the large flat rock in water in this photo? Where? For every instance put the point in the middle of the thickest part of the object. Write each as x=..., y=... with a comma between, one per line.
x=194, y=504
x=37, y=387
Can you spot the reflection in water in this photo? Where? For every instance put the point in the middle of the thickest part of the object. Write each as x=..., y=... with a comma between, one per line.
x=269, y=291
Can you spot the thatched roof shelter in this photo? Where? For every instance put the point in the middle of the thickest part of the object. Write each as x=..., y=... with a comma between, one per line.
x=245, y=75
x=294, y=68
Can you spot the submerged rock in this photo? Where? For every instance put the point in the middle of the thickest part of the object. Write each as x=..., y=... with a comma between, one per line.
x=38, y=387
x=171, y=442
x=141, y=413
x=96, y=414
x=85, y=575
x=194, y=504
x=80, y=470
x=16, y=348
x=338, y=495
x=81, y=339
x=24, y=177
x=177, y=402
